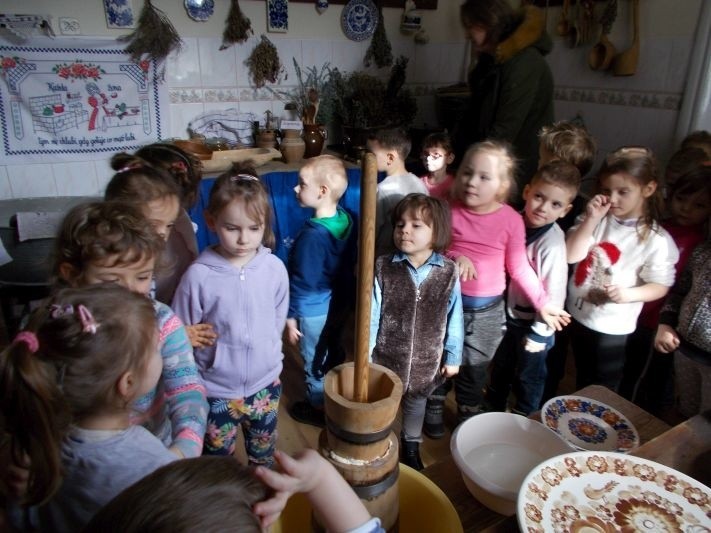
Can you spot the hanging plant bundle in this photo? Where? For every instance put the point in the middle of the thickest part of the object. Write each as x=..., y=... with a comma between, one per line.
x=238, y=28
x=380, y=52
x=154, y=37
x=263, y=63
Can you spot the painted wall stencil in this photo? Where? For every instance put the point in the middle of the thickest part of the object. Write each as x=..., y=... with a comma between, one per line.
x=119, y=14
x=278, y=16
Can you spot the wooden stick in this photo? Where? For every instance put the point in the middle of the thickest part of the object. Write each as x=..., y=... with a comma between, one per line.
x=366, y=260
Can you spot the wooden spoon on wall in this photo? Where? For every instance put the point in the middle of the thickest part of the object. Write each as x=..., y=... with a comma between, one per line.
x=601, y=54
x=563, y=26
x=625, y=64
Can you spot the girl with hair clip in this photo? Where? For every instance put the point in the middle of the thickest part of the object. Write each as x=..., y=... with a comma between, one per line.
x=68, y=382
x=182, y=246
x=243, y=289
x=110, y=242
x=158, y=195
x=624, y=258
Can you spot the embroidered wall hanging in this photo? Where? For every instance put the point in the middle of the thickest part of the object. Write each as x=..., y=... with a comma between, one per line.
x=76, y=100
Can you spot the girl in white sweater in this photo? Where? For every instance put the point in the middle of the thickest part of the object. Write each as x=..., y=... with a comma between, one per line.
x=624, y=258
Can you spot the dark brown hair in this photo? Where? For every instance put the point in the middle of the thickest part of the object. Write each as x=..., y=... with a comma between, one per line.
x=72, y=375
x=98, y=231
x=432, y=211
x=395, y=139
x=693, y=182
x=699, y=139
x=507, y=164
x=570, y=143
x=241, y=182
x=560, y=173
x=138, y=182
x=199, y=495
x=683, y=161
x=640, y=163
x=497, y=17
x=436, y=139
x=185, y=169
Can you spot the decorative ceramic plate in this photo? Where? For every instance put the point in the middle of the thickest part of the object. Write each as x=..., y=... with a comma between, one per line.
x=609, y=492
x=589, y=425
x=359, y=19
x=200, y=10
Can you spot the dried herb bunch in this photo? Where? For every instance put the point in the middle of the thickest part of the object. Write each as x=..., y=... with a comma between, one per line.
x=238, y=28
x=361, y=100
x=154, y=37
x=263, y=63
x=380, y=52
x=312, y=82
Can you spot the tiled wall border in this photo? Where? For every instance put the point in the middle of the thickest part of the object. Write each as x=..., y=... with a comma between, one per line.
x=628, y=98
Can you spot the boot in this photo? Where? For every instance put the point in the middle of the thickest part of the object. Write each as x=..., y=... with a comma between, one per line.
x=410, y=454
x=434, y=418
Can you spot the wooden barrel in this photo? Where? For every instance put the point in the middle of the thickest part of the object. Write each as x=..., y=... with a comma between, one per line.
x=358, y=440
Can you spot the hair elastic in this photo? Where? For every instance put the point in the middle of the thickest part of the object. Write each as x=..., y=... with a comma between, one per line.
x=29, y=338
x=244, y=177
x=88, y=323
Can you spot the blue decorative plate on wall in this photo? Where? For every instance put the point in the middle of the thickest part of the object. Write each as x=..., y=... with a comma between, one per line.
x=359, y=19
x=200, y=10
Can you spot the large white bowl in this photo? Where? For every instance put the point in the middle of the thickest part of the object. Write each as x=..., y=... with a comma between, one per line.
x=495, y=452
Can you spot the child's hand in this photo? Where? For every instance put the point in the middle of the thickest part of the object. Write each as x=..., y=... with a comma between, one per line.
x=667, y=339
x=466, y=268
x=449, y=371
x=554, y=316
x=617, y=294
x=532, y=346
x=292, y=332
x=597, y=207
x=14, y=477
x=201, y=335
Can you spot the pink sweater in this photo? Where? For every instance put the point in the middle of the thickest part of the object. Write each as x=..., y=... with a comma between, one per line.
x=496, y=244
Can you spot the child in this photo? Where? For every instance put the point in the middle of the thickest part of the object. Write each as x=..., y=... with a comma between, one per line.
x=698, y=139
x=157, y=195
x=681, y=162
x=391, y=148
x=182, y=246
x=521, y=357
x=416, y=314
x=488, y=241
x=243, y=289
x=320, y=270
x=219, y=494
x=68, y=381
x=689, y=208
x=569, y=142
x=437, y=154
x=624, y=258
x=111, y=242
x=685, y=330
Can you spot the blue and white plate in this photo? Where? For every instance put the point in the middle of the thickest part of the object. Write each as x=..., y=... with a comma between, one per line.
x=589, y=425
x=359, y=19
x=200, y=10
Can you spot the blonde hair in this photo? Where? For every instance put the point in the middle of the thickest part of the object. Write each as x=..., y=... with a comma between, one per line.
x=503, y=151
x=330, y=171
x=570, y=143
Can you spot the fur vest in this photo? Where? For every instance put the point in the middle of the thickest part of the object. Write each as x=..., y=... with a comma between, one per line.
x=413, y=323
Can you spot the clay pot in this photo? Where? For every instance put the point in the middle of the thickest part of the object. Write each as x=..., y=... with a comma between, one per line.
x=267, y=139
x=292, y=146
x=314, y=136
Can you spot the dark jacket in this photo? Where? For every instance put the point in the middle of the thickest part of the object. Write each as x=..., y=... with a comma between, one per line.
x=512, y=93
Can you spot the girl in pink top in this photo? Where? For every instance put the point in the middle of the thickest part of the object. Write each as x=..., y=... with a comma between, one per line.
x=437, y=154
x=488, y=241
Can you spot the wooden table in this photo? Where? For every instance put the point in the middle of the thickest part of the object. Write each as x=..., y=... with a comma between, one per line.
x=477, y=517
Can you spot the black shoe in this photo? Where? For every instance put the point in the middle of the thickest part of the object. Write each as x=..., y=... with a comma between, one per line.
x=410, y=454
x=434, y=419
x=306, y=413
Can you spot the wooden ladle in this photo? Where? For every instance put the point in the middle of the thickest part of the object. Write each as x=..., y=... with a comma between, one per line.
x=625, y=63
x=563, y=26
x=601, y=54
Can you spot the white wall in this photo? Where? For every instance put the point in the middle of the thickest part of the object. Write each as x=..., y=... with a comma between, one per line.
x=641, y=109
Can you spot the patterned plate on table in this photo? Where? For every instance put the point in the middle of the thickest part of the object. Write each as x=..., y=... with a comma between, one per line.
x=610, y=492
x=359, y=19
x=200, y=10
x=589, y=425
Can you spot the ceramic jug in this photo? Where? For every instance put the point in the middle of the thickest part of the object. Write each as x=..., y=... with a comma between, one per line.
x=314, y=136
x=292, y=146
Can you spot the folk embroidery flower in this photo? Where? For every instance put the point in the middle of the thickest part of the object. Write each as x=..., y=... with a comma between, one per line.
x=78, y=71
x=8, y=63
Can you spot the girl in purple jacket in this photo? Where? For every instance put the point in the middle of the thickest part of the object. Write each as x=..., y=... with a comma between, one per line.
x=243, y=290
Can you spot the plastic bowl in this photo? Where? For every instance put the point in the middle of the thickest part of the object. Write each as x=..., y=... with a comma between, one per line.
x=495, y=451
x=423, y=507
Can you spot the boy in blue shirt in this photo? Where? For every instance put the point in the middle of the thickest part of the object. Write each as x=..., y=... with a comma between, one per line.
x=320, y=271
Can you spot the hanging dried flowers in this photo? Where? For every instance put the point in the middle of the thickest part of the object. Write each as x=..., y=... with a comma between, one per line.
x=238, y=28
x=263, y=63
x=380, y=52
x=154, y=37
